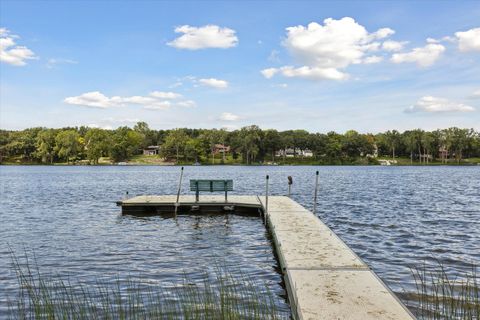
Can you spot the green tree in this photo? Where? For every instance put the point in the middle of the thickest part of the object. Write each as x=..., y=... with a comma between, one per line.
x=67, y=144
x=193, y=149
x=392, y=139
x=356, y=145
x=126, y=143
x=299, y=140
x=460, y=141
x=174, y=143
x=333, y=147
x=45, y=145
x=272, y=142
x=150, y=137
x=247, y=142
x=428, y=143
x=97, y=144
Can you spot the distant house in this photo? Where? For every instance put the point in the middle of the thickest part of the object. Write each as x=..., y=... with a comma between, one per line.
x=290, y=153
x=151, y=150
x=221, y=148
x=443, y=153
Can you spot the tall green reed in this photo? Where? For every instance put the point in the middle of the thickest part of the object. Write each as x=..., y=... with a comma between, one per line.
x=443, y=296
x=218, y=296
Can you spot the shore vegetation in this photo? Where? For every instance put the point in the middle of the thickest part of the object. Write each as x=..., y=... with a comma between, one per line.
x=247, y=145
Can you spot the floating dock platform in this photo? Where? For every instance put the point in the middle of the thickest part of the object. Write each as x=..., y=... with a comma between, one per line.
x=324, y=278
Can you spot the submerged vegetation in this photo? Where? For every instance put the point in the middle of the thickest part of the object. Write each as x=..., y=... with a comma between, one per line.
x=442, y=296
x=248, y=145
x=220, y=296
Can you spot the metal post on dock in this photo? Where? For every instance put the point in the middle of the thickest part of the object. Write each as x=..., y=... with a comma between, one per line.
x=266, y=199
x=290, y=182
x=316, y=192
x=178, y=191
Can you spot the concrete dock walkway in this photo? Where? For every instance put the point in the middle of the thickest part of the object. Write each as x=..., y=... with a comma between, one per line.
x=325, y=279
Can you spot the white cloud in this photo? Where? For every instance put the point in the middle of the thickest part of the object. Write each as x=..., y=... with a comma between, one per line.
x=156, y=100
x=306, y=72
x=214, y=83
x=227, y=116
x=422, y=56
x=186, y=103
x=383, y=33
x=372, y=59
x=268, y=73
x=165, y=95
x=10, y=52
x=324, y=50
x=391, y=45
x=51, y=63
x=94, y=99
x=435, y=104
x=476, y=94
x=209, y=36
x=468, y=40
x=159, y=105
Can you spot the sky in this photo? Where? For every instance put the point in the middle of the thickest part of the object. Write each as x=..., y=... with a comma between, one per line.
x=314, y=65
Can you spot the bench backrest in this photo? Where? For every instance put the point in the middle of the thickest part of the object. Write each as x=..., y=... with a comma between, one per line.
x=211, y=185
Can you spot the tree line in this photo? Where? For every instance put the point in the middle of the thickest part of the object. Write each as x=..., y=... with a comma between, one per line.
x=249, y=144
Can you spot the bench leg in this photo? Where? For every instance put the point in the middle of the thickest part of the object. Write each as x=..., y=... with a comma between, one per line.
x=226, y=200
x=197, y=194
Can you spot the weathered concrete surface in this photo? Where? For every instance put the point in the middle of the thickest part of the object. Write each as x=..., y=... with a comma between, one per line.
x=325, y=279
x=190, y=199
x=343, y=294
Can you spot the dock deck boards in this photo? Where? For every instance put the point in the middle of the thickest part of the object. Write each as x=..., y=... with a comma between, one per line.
x=325, y=279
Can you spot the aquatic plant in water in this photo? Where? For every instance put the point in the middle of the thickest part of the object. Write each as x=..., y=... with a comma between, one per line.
x=443, y=296
x=219, y=297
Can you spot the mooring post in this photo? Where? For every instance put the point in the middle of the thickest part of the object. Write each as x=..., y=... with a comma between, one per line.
x=316, y=192
x=266, y=199
x=225, y=183
x=178, y=191
x=290, y=182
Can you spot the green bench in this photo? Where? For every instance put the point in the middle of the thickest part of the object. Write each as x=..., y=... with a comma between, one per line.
x=211, y=185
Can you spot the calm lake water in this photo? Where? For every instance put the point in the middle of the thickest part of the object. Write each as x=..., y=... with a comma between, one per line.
x=392, y=217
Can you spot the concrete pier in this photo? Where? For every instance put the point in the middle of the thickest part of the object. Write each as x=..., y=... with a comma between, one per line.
x=325, y=279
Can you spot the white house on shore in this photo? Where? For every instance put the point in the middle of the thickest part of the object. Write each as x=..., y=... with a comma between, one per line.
x=290, y=153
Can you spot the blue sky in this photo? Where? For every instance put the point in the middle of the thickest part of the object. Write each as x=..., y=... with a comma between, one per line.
x=320, y=66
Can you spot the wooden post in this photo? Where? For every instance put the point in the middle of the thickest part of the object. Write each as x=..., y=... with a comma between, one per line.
x=178, y=191
x=315, y=197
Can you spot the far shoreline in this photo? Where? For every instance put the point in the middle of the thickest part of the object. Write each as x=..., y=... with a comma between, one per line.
x=471, y=164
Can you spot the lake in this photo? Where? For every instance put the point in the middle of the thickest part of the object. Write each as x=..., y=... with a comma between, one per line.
x=392, y=217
